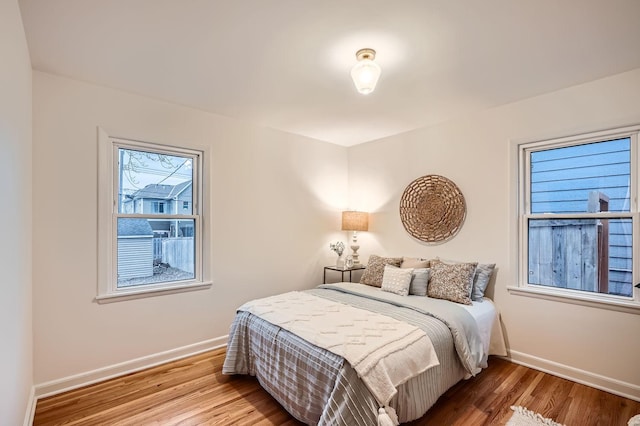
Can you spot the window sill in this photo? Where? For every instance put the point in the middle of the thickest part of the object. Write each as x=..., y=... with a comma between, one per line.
x=139, y=293
x=618, y=304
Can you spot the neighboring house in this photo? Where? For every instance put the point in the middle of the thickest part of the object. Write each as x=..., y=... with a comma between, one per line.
x=163, y=199
x=135, y=248
x=160, y=199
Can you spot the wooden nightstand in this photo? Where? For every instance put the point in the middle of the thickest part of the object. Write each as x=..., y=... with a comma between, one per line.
x=342, y=271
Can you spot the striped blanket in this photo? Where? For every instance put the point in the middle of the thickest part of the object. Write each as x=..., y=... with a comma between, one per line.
x=384, y=351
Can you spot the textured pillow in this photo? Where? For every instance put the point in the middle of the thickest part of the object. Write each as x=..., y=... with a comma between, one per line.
x=437, y=260
x=414, y=262
x=451, y=282
x=396, y=280
x=480, y=279
x=419, y=281
x=372, y=275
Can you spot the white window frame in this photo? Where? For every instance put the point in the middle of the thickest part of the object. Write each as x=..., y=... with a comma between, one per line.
x=108, y=215
x=520, y=170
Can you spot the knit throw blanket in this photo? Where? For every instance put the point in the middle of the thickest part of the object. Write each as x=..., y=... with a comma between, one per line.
x=384, y=352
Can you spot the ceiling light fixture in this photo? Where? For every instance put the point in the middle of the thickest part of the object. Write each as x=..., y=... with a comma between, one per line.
x=365, y=73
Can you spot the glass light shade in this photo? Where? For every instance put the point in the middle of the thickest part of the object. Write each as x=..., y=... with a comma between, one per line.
x=365, y=75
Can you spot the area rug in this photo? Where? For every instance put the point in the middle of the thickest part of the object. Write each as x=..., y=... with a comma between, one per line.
x=524, y=417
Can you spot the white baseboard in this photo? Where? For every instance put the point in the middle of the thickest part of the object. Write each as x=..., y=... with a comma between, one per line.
x=31, y=407
x=607, y=384
x=87, y=378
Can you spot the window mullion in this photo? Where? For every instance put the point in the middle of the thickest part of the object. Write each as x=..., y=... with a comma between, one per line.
x=157, y=216
x=599, y=215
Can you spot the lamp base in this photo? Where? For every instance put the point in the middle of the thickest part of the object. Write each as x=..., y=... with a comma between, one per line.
x=355, y=255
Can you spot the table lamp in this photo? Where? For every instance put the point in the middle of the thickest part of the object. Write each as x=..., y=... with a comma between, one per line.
x=355, y=221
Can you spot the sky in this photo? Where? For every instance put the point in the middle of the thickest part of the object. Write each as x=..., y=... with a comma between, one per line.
x=139, y=169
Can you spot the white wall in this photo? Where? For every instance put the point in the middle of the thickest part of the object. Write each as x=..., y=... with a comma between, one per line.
x=276, y=200
x=474, y=152
x=16, y=377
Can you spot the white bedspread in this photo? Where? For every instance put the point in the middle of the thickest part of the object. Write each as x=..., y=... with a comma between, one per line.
x=384, y=352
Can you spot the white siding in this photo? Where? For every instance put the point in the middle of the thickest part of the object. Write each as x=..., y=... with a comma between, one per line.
x=135, y=257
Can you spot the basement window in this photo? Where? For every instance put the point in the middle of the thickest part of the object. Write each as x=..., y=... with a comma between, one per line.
x=578, y=218
x=148, y=242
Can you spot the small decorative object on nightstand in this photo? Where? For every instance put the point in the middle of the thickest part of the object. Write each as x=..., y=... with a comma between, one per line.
x=355, y=221
x=348, y=262
x=338, y=248
x=342, y=270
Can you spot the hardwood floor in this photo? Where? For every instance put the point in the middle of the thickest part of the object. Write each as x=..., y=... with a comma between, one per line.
x=193, y=391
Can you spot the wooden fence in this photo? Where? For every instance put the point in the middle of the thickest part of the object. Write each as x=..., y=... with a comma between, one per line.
x=177, y=252
x=157, y=249
x=564, y=253
x=571, y=253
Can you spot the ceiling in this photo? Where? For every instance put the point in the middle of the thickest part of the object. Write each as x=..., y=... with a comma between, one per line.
x=285, y=64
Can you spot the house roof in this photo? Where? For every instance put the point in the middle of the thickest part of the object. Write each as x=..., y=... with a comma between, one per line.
x=134, y=227
x=163, y=192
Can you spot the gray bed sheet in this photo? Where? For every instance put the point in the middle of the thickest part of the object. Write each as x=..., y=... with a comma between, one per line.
x=318, y=387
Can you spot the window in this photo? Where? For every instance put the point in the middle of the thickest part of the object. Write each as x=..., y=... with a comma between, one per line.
x=146, y=243
x=158, y=206
x=578, y=217
x=185, y=205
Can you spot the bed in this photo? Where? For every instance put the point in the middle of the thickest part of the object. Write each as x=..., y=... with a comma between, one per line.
x=320, y=387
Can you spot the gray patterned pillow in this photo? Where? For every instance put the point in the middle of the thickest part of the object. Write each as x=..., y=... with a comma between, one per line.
x=419, y=281
x=396, y=280
x=374, y=272
x=451, y=282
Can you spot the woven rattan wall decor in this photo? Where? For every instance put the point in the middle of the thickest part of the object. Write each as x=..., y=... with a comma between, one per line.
x=432, y=209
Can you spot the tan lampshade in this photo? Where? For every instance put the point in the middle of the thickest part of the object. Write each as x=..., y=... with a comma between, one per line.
x=355, y=221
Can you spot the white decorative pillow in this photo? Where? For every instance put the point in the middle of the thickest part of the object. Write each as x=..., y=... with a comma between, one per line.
x=397, y=280
x=419, y=281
